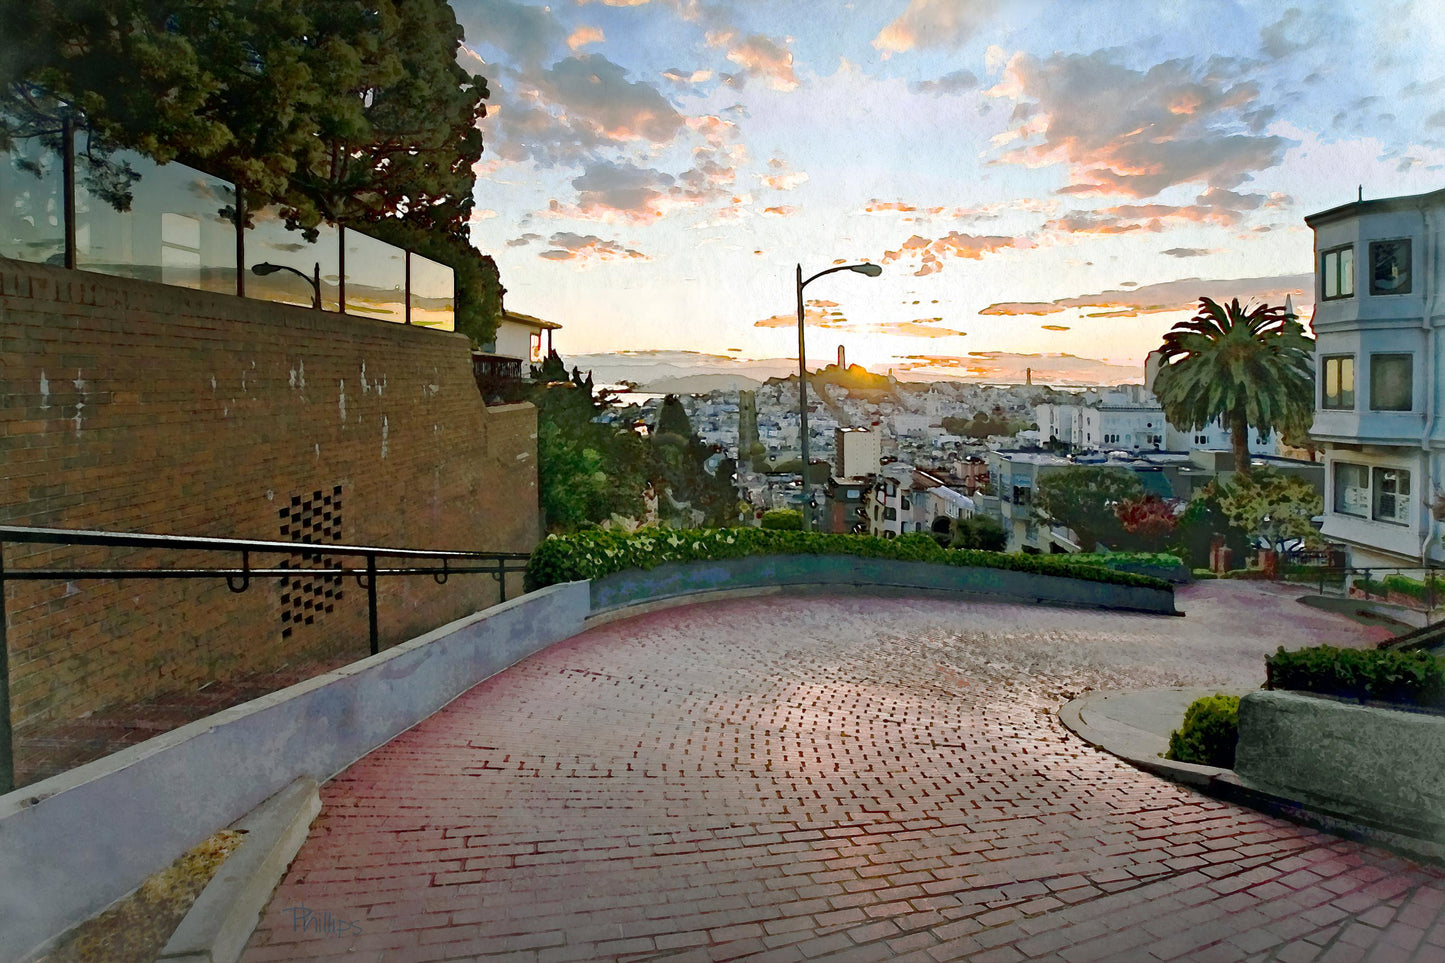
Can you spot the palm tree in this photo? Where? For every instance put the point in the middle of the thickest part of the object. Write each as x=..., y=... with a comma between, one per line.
x=1248, y=368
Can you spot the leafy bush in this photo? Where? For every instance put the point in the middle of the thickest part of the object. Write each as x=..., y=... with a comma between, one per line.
x=979, y=532
x=1414, y=678
x=1414, y=588
x=595, y=554
x=1209, y=734
x=783, y=519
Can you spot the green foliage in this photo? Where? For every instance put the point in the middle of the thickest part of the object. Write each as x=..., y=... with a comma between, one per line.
x=782, y=519
x=1202, y=520
x=595, y=554
x=1083, y=498
x=981, y=425
x=818, y=471
x=1415, y=678
x=587, y=472
x=672, y=418
x=1250, y=368
x=345, y=111
x=1414, y=588
x=1210, y=733
x=978, y=532
x=1289, y=502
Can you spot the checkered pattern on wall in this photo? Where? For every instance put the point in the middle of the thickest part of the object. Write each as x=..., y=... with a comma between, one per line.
x=314, y=519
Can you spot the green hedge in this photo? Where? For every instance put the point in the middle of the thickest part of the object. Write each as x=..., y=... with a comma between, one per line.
x=1414, y=678
x=1210, y=732
x=595, y=554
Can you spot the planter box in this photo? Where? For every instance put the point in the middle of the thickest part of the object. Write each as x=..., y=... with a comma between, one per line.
x=1377, y=766
x=781, y=572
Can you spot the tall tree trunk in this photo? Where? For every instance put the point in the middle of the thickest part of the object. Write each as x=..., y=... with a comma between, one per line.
x=1239, y=441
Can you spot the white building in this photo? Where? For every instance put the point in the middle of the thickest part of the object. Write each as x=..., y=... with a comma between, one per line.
x=1131, y=419
x=1379, y=375
x=856, y=452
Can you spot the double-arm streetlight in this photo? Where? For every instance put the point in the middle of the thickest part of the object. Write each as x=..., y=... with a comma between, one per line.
x=266, y=267
x=872, y=271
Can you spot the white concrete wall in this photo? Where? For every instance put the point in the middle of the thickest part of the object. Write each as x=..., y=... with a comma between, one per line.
x=73, y=844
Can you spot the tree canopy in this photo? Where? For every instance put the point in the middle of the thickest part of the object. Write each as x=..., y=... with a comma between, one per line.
x=1270, y=503
x=1251, y=368
x=1085, y=499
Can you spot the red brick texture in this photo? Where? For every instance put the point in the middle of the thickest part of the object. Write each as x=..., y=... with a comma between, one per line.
x=130, y=406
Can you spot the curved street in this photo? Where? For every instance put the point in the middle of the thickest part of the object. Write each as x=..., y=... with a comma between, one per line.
x=840, y=778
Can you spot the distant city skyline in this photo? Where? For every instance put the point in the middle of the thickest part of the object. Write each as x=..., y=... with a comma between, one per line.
x=1034, y=177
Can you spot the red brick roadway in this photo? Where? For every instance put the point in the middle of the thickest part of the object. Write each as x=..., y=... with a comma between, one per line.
x=839, y=778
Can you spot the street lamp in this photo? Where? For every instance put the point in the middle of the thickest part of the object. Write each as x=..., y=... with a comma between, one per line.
x=872, y=271
x=266, y=267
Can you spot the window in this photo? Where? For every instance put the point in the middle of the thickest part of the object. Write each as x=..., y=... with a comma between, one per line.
x=1352, y=489
x=1391, y=384
x=1339, y=388
x=890, y=514
x=1390, y=267
x=1337, y=273
x=906, y=505
x=534, y=347
x=1201, y=439
x=1391, y=495
x=1023, y=495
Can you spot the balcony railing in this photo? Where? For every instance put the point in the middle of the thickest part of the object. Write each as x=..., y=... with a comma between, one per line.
x=182, y=226
x=440, y=565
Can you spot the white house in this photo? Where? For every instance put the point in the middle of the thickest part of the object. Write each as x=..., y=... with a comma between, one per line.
x=1379, y=374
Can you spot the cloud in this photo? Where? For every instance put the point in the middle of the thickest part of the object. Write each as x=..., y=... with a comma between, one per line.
x=1292, y=32
x=931, y=252
x=525, y=34
x=1054, y=327
x=598, y=93
x=824, y=315
x=759, y=56
x=781, y=210
x=1135, y=133
x=615, y=3
x=1187, y=251
x=582, y=36
x=566, y=246
x=934, y=23
x=1167, y=296
x=952, y=83
x=687, y=77
x=623, y=189
x=780, y=178
x=523, y=240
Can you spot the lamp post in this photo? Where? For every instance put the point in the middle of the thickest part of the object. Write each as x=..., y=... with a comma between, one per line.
x=266, y=267
x=872, y=271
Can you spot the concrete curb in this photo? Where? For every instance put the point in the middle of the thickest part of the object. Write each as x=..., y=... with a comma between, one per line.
x=221, y=920
x=1224, y=784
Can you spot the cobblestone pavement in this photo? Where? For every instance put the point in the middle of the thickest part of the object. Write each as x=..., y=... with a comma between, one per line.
x=837, y=778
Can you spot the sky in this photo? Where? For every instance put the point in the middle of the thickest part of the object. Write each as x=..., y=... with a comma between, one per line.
x=1034, y=177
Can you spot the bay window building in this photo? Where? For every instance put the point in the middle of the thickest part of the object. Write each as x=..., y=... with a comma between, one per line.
x=1379, y=375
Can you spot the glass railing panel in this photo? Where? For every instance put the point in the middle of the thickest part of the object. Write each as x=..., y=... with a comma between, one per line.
x=433, y=294
x=375, y=278
x=32, y=204
x=269, y=242
x=176, y=226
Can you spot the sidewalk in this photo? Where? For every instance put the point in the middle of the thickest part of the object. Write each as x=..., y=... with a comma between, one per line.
x=1135, y=727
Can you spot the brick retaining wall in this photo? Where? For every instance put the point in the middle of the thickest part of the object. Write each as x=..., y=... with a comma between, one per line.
x=132, y=406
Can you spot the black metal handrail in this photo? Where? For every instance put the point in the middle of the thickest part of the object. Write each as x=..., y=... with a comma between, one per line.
x=496, y=564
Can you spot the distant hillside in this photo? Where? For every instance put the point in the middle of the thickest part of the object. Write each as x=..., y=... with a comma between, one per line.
x=700, y=384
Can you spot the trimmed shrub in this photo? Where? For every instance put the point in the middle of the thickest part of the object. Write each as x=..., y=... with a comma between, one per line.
x=783, y=519
x=595, y=554
x=1412, y=678
x=1209, y=734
